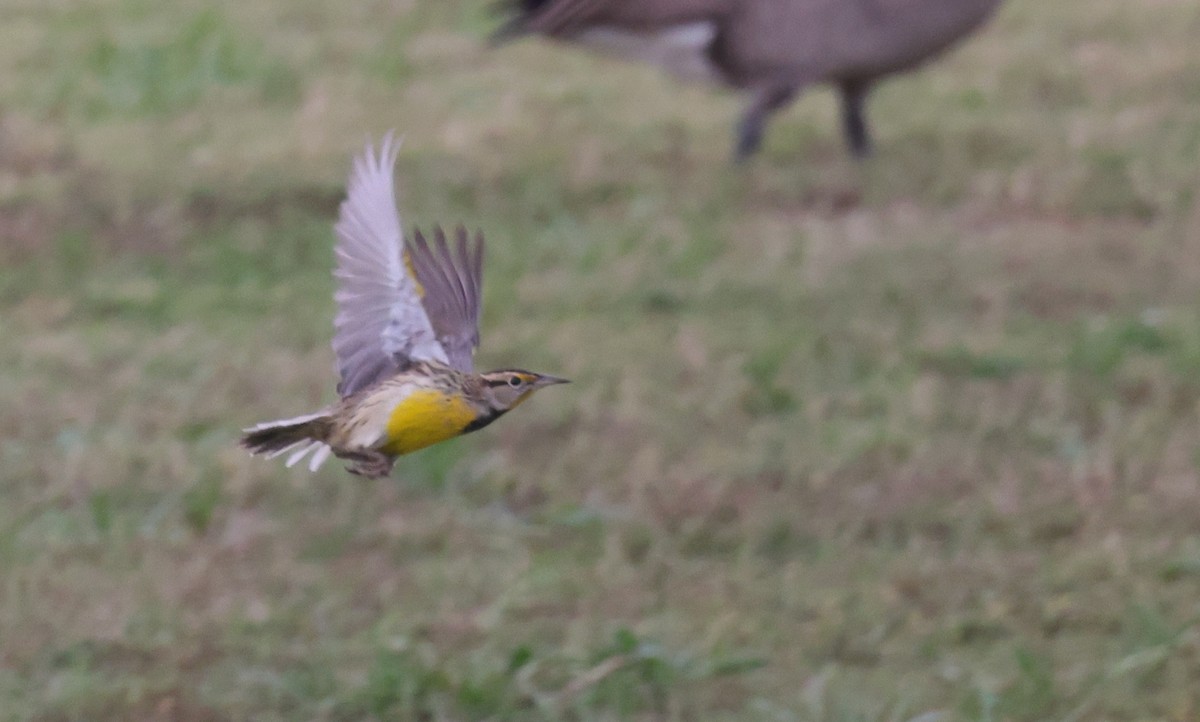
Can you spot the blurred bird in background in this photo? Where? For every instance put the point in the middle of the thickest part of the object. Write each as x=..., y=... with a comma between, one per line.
x=772, y=49
x=405, y=334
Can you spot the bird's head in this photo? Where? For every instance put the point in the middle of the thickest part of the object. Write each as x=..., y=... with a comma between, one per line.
x=507, y=388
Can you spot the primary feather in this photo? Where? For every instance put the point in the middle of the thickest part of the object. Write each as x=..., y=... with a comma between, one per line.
x=381, y=324
x=452, y=278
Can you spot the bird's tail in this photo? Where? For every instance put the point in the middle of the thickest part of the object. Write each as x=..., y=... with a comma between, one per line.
x=300, y=435
x=516, y=15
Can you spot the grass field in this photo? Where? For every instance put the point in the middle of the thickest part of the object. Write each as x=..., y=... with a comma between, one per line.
x=909, y=440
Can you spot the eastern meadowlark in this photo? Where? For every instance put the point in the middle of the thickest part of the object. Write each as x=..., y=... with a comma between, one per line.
x=404, y=336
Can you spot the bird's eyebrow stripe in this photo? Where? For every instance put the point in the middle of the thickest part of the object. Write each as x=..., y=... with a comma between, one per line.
x=526, y=377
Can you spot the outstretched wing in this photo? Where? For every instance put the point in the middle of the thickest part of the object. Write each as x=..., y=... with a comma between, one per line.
x=380, y=324
x=452, y=276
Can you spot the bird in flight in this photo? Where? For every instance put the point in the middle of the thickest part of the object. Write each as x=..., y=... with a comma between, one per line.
x=405, y=334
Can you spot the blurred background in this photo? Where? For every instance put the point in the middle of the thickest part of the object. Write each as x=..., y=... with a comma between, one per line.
x=908, y=439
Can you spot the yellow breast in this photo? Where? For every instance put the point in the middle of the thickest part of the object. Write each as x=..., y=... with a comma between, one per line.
x=425, y=417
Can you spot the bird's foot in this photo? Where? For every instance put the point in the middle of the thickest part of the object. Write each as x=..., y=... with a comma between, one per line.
x=370, y=464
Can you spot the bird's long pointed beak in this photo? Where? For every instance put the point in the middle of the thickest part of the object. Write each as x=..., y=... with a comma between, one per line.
x=550, y=381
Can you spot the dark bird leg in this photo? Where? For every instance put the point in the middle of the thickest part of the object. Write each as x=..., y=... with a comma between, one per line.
x=766, y=100
x=854, y=121
x=371, y=464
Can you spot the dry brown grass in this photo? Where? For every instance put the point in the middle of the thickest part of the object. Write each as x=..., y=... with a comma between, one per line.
x=845, y=442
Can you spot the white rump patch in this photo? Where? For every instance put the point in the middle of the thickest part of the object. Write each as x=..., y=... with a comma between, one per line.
x=682, y=49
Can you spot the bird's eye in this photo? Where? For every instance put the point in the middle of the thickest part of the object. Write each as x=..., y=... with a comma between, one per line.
x=514, y=381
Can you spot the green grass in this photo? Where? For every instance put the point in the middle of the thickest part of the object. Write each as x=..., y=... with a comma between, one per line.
x=915, y=439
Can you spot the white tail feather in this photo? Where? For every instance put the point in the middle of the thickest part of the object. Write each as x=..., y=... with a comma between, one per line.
x=285, y=422
x=300, y=454
x=289, y=436
x=320, y=452
x=319, y=456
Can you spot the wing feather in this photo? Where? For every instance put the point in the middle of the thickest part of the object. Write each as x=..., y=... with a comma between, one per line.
x=452, y=276
x=381, y=323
